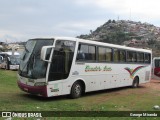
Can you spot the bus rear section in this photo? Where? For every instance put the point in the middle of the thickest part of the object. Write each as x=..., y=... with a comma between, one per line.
x=156, y=68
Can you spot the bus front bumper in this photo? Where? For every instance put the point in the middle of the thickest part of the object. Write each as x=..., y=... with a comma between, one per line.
x=36, y=90
x=14, y=67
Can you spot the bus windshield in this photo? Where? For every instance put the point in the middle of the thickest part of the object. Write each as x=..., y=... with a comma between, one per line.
x=14, y=60
x=31, y=65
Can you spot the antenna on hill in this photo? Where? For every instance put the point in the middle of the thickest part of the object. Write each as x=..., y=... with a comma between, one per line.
x=6, y=41
x=130, y=14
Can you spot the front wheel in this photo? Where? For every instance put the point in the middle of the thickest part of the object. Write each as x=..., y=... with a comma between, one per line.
x=135, y=83
x=76, y=90
x=6, y=67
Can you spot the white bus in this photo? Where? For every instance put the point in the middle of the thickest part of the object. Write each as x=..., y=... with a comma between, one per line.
x=156, y=68
x=61, y=66
x=9, y=61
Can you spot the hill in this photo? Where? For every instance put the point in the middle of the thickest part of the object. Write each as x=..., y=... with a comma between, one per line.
x=129, y=33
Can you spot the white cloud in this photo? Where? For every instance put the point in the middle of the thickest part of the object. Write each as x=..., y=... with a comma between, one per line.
x=79, y=24
x=76, y=28
x=29, y=19
x=10, y=36
x=144, y=9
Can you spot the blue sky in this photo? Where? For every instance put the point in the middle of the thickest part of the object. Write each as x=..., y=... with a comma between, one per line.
x=21, y=20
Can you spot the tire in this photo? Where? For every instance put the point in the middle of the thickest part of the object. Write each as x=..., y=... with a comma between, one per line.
x=135, y=83
x=76, y=90
x=6, y=67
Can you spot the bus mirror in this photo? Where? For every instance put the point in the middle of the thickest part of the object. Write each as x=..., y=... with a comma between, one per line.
x=9, y=59
x=1, y=58
x=45, y=53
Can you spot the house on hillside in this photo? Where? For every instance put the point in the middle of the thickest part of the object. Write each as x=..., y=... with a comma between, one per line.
x=136, y=43
x=2, y=46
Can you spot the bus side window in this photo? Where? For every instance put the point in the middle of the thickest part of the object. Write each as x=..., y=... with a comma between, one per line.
x=101, y=54
x=80, y=55
x=91, y=53
x=131, y=56
x=122, y=55
x=140, y=57
x=86, y=52
x=116, y=55
x=108, y=54
x=157, y=63
x=147, y=58
x=104, y=54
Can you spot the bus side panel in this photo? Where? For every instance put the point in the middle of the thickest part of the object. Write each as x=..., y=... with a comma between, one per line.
x=100, y=76
x=148, y=73
x=54, y=88
x=156, y=68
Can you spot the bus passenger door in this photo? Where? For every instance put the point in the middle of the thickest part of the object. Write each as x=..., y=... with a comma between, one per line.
x=60, y=66
x=156, y=68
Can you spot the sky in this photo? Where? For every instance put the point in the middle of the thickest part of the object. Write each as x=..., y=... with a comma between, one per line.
x=21, y=20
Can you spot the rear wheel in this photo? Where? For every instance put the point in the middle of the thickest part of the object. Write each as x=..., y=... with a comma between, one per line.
x=135, y=83
x=76, y=90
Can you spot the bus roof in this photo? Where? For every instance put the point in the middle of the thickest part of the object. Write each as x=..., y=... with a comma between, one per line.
x=98, y=43
x=104, y=44
x=10, y=53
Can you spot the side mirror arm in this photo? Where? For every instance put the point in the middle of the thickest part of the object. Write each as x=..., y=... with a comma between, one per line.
x=44, y=56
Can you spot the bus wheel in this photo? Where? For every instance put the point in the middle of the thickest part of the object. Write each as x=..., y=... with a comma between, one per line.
x=76, y=90
x=135, y=83
x=6, y=67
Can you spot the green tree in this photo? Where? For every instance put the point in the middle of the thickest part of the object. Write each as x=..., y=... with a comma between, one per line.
x=109, y=21
x=113, y=21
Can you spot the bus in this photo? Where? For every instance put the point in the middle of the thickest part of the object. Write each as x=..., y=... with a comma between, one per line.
x=9, y=61
x=156, y=68
x=71, y=66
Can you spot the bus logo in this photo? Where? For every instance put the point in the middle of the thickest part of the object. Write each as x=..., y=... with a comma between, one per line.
x=89, y=68
x=133, y=71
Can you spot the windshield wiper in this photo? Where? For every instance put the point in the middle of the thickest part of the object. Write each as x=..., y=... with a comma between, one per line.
x=26, y=49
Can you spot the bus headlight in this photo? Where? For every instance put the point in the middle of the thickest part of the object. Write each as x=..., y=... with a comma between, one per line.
x=40, y=84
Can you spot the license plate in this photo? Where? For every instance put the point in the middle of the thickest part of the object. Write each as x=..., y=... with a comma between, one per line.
x=26, y=89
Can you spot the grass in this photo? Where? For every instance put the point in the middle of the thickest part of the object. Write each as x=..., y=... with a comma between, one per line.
x=121, y=99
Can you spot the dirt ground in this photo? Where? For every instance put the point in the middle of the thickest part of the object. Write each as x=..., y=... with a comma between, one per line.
x=153, y=84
